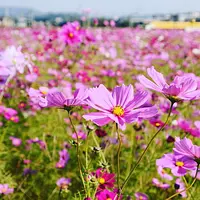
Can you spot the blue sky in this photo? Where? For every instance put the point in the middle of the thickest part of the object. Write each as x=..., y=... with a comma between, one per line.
x=109, y=7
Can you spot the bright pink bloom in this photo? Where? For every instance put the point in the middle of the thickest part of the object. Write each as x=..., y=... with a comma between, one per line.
x=71, y=33
x=105, y=179
x=182, y=87
x=120, y=106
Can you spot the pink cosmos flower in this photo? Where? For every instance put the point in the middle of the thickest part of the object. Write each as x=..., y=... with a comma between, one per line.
x=4, y=189
x=120, y=106
x=141, y=196
x=81, y=135
x=58, y=99
x=14, y=60
x=185, y=147
x=38, y=97
x=63, y=160
x=164, y=174
x=71, y=33
x=63, y=183
x=178, y=166
x=15, y=141
x=182, y=87
x=159, y=184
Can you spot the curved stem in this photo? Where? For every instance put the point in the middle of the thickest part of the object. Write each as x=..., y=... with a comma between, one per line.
x=148, y=145
x=77, y=152
x=193, y=182
x=118, y=156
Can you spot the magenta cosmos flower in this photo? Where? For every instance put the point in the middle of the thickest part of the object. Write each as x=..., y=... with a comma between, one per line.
x=71, y=33
x=178, y=166
x=58, y=99
x=105, y=179
x=106, y=195
x=182, y=87
x=120, y=106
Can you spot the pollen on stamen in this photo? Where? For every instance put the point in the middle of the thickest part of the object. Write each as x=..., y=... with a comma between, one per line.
x=118, y=111
x=179, y=164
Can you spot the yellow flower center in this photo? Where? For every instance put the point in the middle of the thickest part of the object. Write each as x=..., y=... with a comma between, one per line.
x=179, y=164
x=3, y=190
x=71, y=35
x=157, y=124
x=12, y=118
x=44, y=92
x=108, y=199
x=101, y=180
x=163, y=171
x=118, y=110
x=140, y=197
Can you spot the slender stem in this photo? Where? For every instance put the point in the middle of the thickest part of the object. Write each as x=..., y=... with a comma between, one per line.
x=118, y=155
x=186, y=184
x=145, y=150
x=193, y=182
x=59, y=194
x=77, y=152
x=101, y=152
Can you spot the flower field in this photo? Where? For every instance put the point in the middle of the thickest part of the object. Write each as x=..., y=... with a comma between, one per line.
x=99, y=113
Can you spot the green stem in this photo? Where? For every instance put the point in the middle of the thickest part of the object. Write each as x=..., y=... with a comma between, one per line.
x=186, y=184
x=77, y=152
x=101, y=153
x=118, y=156
x=144, y=152
x=193, y=182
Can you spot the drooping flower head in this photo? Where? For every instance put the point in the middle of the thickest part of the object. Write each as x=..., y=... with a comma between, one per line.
x=182, y=87
x=120, y=106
